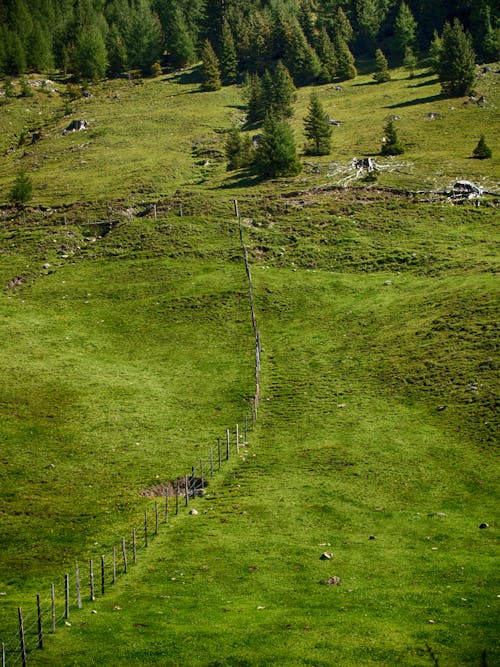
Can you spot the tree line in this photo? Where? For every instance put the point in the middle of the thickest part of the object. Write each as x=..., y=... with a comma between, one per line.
x=317, y=40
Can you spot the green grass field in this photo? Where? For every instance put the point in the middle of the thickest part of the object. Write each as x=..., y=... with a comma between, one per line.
x=126, y=352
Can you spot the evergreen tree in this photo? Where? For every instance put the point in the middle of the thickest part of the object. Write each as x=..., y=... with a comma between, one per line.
x=15, y=54
x=482, y=151
x=327, y=56
x=457, y=64
x=210, y=68
x=22, y=189
x=368, y=19
x=117, y=52
x=179, y=43
x=343, y=26
x=405, y=28
x=391, y=144
x=282, y=92
x=317, y=129
x=39, y=52
x=346, y=68
x=91, y=54
x=255, y=99
x=435, y=51
x=382, y=73
x=228, y=58
x=277, y=153
x=238, y=149
x=410, y=61
x=143, y=37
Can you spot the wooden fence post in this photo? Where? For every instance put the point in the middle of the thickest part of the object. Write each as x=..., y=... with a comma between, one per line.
x=186, y=489
x=40, y=626
x=166, y=506
x=92, y=591
x=156, y=517
x=21, y=636
x=103, y=576
x=66, y=596
x=78, y=587
x=124, y=553
x=53, y=608
x=134, y=546
x=227, y=444
x=3, y=649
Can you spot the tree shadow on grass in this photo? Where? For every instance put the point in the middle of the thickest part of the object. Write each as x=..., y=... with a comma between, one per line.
x=419, y=100
x=243, y=179
x=431, y=82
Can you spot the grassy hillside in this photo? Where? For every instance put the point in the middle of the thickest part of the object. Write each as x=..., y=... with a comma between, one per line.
x=127, y=350
x=146, y=138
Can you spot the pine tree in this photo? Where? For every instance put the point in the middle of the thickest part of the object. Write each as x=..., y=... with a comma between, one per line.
x=282, y=92
x=391, y=144
x=178, y=40
x=210, y=68
x=482, y=151
x=255, y=99
x=317, y=129
x=91, y=54
x=435, y=51
x=410, y=61
x=382, y=73
x=343, y=25
x=346, y=68
x=277, y=153
x=117, y=53
x=405, y=28
x=238, y=149
x=457, y=63
x=228, y=58
x=22, y=189
x=327, y=56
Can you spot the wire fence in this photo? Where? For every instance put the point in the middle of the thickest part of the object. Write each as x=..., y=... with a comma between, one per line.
x=94, y=578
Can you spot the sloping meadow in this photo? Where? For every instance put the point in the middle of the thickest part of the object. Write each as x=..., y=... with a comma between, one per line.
x=374, y=445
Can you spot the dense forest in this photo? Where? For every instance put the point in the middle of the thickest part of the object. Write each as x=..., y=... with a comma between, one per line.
x=317, y=40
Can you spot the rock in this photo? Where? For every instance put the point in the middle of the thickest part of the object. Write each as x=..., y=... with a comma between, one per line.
x=440, y=408
x=440, y=514
x=193, y=512
x=484, y=525
x=326, y=555
x=372, y=537
x=332, y=581
x=387, y=282
x=46, y=265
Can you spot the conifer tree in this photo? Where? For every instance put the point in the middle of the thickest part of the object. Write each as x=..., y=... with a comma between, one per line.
x=343, y=25
x=316, y=128
x=255, y=99
x=482, y=151
x=117, y=52
x=327, y=56
x=457, y=63
x=346, y=68
x=382, y=73
x=277, y=153
x=410, y=61
x=179, y=42
x=238, y=149
x=282, y=91
x=435, y=51
x=405, y=28
x=228, y=58
x=210, y=68
x=391, y=144
x=91, y=54
x=22, y=189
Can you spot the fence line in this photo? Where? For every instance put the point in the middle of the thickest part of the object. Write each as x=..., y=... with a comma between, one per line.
x=31, y=632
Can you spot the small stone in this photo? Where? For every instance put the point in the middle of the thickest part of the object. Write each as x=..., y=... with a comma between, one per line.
x=193, y=512
x=46, y=265
x=372, y=537
x=387, y=282
x=326, y=555
x=67, y=623
x=332, y=581
x=93, y=611
x=440, y=514
x=117, y=608
x=484, y=525
x=260, y=607
x=431, y=621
